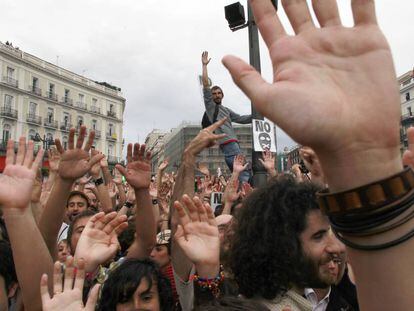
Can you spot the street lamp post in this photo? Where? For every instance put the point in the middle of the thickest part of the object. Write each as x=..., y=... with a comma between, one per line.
x=235, y=16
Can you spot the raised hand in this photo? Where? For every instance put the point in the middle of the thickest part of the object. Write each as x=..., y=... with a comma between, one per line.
x=54, y=159
x=198, y=235
x=17, y=180
x=69, y=296
x=76, y=162
x=163, y=165
x=138, y=169
x=203, y=168
x=268, y=162
x=239, y=164
x=341, y=86
x=117, y=178
x=204, y=58
x=98, y=242
x=231, y=193
x=205, y=139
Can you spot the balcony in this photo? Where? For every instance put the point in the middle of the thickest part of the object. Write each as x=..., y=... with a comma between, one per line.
x=111, y=136
x=11, y=81
x=407, y=118
x=52, y=96
x=7, y=112
x=50, y=123
x=111, y=114
x=95, y=109
x=35, y=90
x=65, y=127
x=33, y=119
x=66, y=101
x=97, y=133
x=81, y=105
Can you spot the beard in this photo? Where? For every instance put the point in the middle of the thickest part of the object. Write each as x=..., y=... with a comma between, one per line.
x=314, y=273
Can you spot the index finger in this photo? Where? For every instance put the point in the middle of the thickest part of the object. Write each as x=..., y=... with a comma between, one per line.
x=216, y=125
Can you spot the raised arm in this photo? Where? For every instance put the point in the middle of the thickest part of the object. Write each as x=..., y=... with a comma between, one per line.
x=346, y=94
x=138, y=175
x=31, y=256
x=185, y=185
x=205, y=60
x=74, y=163
x=235, y=117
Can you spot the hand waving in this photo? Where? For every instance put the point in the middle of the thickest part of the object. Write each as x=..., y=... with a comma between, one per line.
x=138, y=169
x=341, y=86
x=98, y=242
x=239, y=164
x=76, y=162
x=67, y=297
x=204, y=58
x=16, y=182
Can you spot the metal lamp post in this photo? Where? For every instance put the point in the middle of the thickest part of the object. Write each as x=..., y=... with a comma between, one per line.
x=235, y=17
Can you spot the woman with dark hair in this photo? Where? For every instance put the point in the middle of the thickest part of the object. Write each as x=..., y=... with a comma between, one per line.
x=136, y=284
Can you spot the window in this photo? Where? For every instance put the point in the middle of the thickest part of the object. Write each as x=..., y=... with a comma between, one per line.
x=407, y=96
x=111, y=107
x=32, y=109
x=10, y=73
x=32, y=134
x=66, y=119
x=81, y=98
x=111, y=129
x=80, y=120
x=94, y=124
x=51, y=90
x=35, y=83
x=50, y=115
x=409, y=111
x=8, y=102
x=6, y=132
x=94, y=101
x=110, y=150
x=65, y=142
x=67, y=93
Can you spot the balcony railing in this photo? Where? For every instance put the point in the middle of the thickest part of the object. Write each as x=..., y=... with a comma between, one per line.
x=35, y=90
x=111, y=114
x=50, y=123
x=32, y=118
x=51, y=95
x=96, y=109
x=65, y=127
x=8, y=112
x=97, y=133
x=111, y=136
x=81, y=105
x=67, y=101
x=11, y=81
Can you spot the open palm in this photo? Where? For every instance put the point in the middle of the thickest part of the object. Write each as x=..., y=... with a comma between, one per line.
x=326, y=80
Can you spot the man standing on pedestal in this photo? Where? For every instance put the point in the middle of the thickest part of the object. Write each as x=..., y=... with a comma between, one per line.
x=216, y=111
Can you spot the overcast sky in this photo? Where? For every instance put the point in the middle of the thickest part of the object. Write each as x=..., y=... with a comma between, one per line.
x=151, y=49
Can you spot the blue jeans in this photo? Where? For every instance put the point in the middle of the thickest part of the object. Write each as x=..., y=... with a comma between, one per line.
x=230, y=151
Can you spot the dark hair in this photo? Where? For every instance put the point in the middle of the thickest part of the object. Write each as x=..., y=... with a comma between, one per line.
x=127, y=237
x=79, y=193
x=124, y=280
x=7, y=269
x=217, y=88
x=85, y=213
x=266, y=250
x=232, y=303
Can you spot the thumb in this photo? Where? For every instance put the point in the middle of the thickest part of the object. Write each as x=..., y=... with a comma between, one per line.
x=247, y=78
x=408, y=158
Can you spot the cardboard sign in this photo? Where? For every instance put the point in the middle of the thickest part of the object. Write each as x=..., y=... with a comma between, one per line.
x=264, y=135
x=215, y=200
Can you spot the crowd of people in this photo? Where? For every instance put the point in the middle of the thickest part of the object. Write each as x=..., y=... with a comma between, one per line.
x=338, y=237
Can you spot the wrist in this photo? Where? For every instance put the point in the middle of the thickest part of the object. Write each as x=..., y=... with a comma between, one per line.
x=207, y=270
x=188, y=156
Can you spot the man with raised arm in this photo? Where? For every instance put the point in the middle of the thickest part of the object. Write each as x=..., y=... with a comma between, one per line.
x=213, y=97
x=332, y=72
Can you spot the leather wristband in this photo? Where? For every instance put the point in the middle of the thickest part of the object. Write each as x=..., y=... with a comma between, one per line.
x=99, y=181
x=368, y=198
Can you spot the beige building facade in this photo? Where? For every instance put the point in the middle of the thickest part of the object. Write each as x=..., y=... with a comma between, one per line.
x=40, y=99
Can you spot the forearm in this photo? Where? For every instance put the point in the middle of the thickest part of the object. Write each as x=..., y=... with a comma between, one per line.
x=51, y=180
x=106, y=175
x=205, y=76
x=146, y=229
x=30, y=253
x=227, y=208
x=104, y=198
x=122, y=195
x=53, y=213
x=184, y=185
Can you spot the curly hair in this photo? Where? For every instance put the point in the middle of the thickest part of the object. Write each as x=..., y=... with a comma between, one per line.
x=125, y=279
x=266, y=250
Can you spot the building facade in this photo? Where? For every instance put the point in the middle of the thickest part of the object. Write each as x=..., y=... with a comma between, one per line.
x=42, y=101
x=406, y=84
x=173, y=143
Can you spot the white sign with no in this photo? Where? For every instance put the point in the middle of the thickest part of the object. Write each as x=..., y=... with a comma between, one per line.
x=264, y=136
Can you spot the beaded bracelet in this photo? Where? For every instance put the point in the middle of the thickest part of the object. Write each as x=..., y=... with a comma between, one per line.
x=210, y=284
